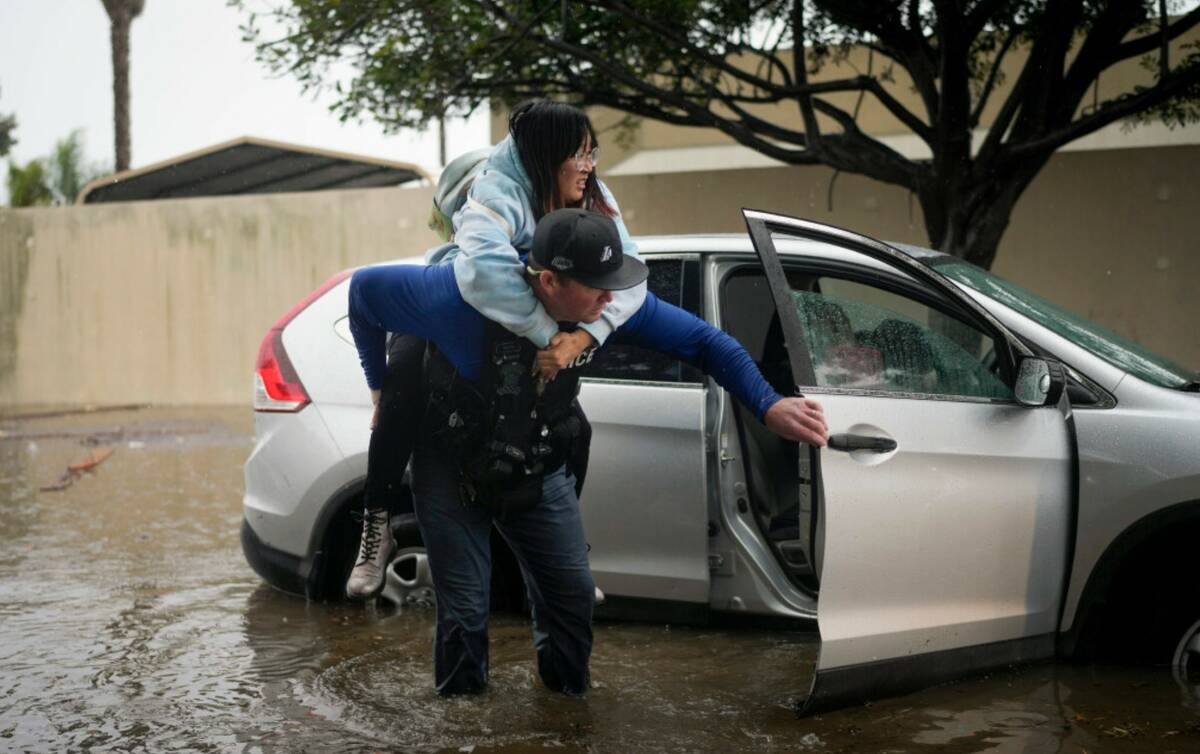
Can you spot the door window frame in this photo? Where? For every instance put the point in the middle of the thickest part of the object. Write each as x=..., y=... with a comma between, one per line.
x=763, y=227
x=889, y=282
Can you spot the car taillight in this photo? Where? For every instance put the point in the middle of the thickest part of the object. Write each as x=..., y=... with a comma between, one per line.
x=277, y=387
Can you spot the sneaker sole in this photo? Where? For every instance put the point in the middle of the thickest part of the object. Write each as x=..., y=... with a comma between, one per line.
x=365, y=597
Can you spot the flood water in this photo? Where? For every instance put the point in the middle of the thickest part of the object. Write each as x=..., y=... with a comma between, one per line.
x=129, y=621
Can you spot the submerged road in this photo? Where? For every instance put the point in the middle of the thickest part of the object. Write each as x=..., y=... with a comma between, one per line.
x=129, y=621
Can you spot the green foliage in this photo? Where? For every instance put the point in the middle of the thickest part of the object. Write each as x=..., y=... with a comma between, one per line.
x=28, y=186
x=56, y=179
x=1180, y=110
x=8, y=124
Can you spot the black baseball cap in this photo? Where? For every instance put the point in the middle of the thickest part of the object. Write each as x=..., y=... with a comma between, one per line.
x=585, y=246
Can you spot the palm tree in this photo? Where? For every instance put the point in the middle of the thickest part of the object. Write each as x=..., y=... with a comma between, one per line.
x=121, y=14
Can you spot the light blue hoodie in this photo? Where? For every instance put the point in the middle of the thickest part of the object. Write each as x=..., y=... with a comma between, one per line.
x=496, y=221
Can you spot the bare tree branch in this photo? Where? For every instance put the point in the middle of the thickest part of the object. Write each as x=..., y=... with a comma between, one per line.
x=986, y=93
x=854, y=150
x=1008, y=111
x=1043, y=92
x=1143, y=45
x=908, y=46
x=811, y=127
x=1113, y=24
x=1164, y=53
x=902, y=113
x=1110, y=112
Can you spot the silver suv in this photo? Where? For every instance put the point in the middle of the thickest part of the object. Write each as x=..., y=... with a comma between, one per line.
x=963, y=517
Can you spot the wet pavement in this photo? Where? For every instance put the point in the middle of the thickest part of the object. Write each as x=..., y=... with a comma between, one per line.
x=129, y=621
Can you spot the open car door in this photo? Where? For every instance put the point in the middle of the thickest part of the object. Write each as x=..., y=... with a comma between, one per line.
x=945, y=497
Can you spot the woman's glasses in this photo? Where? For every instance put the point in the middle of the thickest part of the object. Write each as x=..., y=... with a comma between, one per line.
x=582, y=157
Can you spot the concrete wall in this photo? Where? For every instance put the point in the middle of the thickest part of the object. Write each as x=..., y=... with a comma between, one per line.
x=166, y=302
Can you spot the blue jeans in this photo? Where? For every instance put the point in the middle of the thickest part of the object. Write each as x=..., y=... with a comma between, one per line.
x=549, y=544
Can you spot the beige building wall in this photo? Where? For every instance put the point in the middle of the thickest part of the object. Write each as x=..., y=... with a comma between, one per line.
x=167, y=301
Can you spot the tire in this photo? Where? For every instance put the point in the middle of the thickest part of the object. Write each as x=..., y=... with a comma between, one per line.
x=1185, y=665
x=408, y=581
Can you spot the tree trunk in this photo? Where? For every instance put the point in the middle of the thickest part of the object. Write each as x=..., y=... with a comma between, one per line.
x=121, y=21
x=968, y=222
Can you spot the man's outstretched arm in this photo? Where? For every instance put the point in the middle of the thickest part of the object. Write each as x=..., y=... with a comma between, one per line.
x=663, y=327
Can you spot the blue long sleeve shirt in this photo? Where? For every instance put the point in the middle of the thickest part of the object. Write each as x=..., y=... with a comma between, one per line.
x=425, y=301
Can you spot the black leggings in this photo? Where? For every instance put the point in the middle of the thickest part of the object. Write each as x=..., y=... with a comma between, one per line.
x=401, y=405
x=401, y=408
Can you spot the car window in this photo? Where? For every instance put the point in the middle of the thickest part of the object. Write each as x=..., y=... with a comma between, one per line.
x=676, y=281
x=866, y=338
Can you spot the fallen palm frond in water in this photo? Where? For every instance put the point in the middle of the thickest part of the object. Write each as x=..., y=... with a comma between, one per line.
x=91, y=435
x=73, y=411
x=78, y=469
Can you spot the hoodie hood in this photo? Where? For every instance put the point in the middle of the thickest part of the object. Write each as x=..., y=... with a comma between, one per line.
x=506, y=161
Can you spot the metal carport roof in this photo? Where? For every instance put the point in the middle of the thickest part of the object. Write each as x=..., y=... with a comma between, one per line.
x=250, y=165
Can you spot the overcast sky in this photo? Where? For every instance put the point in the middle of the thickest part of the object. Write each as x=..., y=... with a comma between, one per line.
x=193, y=83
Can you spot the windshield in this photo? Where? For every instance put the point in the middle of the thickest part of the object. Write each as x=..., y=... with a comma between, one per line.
x=1116, y=350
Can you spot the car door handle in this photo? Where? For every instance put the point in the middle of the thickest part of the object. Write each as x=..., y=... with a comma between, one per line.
x=847, y=443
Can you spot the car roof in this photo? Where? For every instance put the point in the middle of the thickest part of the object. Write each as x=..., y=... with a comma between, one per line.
x=739, y=243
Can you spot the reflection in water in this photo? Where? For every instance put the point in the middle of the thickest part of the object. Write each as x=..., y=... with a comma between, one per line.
x=129, y=621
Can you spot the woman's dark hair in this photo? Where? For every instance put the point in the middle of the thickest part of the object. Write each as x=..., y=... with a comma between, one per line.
x=547, y=133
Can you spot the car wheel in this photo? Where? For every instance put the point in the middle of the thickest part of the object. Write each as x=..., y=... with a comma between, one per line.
x=1185, y=665
x=408, y=581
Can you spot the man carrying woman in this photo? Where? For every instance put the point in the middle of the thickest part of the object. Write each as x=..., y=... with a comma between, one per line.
x=493, y=444
x=547, y=162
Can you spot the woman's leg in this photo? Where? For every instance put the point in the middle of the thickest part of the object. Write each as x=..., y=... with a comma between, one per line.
x=401, y=405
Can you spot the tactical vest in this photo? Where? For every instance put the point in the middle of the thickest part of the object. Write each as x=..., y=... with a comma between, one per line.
x=507, y=429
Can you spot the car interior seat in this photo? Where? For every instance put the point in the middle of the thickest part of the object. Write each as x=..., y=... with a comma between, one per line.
x=908, y=357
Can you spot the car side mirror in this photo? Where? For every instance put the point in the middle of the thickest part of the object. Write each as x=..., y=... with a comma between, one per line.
x=1040, y=382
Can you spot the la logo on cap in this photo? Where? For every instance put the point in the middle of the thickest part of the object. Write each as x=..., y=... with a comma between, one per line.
x=607, y=255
